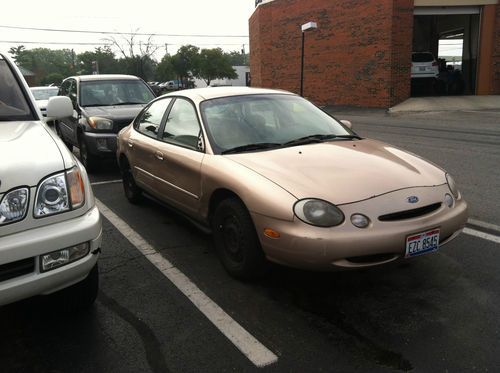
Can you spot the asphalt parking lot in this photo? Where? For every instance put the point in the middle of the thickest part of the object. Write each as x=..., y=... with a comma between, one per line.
x=167, y=305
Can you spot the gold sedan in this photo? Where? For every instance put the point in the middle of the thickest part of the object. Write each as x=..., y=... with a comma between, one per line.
x=277, y=179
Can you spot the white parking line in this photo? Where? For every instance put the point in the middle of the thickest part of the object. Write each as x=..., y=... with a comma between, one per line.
x=256, y=352
x=483, y=224
x=485, y=236
x=106, y=182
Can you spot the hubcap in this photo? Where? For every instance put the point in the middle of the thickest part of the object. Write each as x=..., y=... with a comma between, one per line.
x=231, y=235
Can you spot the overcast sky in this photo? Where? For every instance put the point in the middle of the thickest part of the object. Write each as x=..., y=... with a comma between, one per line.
x=171, y=17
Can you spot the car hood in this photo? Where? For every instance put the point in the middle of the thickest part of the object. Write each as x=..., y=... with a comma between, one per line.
x=342, y=171
x=117, y=113
x=42, y=104
x=28, y=153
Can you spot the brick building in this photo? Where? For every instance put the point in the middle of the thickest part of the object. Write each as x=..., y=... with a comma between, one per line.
x=360, y=54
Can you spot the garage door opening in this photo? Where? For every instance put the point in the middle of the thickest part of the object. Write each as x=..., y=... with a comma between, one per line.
x=450, y=35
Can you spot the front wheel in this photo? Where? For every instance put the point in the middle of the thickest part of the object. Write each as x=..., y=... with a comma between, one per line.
x=88, y=160
x=236, y=241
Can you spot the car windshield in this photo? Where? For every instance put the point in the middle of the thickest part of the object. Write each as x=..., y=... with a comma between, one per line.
x=114, y=92
x=422, y=57
x=44, y=93
x=13, y=103
x=251, y=122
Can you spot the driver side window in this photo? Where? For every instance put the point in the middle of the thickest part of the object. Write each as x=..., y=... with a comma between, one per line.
x=182, y=127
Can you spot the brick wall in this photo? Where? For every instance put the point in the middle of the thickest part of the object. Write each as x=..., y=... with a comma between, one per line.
x=496, y=56
x=359, y=55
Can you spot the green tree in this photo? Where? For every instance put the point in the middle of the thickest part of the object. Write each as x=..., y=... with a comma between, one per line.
x=105, y=58
x=214, y=64
x=52, y=78
x=44, y=61
x=165, y=69
x=238, y=58
x=186, y=61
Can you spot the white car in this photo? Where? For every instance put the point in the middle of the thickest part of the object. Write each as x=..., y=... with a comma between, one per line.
x=50, y=227
x=42, y=95
x=424, y=65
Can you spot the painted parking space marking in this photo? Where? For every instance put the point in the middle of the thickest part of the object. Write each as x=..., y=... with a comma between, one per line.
x=484, y=236
x=118, y=181
x=255, y=351
x=484, y=224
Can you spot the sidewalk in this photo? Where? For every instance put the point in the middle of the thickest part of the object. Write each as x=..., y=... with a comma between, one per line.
x=447, y=103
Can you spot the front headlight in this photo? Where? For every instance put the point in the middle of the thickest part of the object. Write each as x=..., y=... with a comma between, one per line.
x=14, y=205
x=318, y=212
x=453, y=186
x=100, y=123
x=59, y=193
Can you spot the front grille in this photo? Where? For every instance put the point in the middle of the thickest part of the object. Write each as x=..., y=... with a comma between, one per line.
x=16, y=269
x=122, y=123
x=410, y=214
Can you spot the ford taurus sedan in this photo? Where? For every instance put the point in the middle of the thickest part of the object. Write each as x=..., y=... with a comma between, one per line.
x=277, y=179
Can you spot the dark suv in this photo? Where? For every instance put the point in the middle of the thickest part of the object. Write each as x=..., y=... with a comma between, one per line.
x=103, y=105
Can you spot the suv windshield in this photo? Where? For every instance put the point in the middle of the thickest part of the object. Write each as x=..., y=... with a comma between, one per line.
x=242, y=123
x=114, y=92
x=44, y=93
x=13, y=104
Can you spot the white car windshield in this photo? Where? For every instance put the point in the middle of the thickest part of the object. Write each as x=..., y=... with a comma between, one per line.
x=44, y=93
x=13, y=104
x=267, y=120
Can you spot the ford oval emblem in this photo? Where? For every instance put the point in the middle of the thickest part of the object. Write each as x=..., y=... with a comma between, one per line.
x=412, y=199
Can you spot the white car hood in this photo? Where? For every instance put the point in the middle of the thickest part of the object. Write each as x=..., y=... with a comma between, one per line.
x=28, y=153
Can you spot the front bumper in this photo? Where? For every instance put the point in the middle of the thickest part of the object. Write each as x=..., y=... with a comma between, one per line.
x=101, y=144
x=304, y=246
x=43, y=240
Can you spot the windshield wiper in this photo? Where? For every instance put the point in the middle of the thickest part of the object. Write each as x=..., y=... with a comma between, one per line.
x=128, y=103
x=249, y=147
x=311, y=139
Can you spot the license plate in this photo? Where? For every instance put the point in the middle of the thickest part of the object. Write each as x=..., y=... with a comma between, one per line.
x=421, y=243
x=421, y=68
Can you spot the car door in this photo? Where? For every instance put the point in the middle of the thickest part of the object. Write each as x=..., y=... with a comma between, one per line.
x=179, y=157
x=142, y=145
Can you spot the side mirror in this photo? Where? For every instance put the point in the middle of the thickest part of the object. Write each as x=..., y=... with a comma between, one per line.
x=346, y=123
x=59, y=107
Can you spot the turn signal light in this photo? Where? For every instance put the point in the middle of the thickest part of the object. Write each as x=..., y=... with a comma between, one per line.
x=271, y=233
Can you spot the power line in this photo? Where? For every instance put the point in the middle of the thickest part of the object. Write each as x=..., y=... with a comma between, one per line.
x=122, y=33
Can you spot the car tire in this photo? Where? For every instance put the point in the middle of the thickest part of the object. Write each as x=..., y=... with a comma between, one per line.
x=79, y=296
x=132, y=191
x=59, y=133
x=236, y=241
x=88, y=160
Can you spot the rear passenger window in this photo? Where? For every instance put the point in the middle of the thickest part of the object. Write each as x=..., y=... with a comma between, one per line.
x=150, y=120
x=182, y=127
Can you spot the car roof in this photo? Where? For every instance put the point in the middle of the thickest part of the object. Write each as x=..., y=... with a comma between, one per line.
x=85, y=78
x=200, y=94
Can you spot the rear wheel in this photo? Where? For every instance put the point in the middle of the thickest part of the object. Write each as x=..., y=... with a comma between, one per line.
x=236, y=241
x=132, y=191
x=89, y=160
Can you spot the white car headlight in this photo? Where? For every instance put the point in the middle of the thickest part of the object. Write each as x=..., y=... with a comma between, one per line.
x=14, y=205
x=453, y=186
x=60, y=193
x=318, y=212
x=100, y=123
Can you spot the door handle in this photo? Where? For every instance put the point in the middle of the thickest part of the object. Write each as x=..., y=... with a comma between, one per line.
x=130, y=144
x=159, y=155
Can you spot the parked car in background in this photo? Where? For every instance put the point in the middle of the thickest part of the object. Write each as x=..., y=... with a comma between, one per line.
x=276, y=178
x=103, y=105
x=50, y=227
x=424, y=65
x=42, y=95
